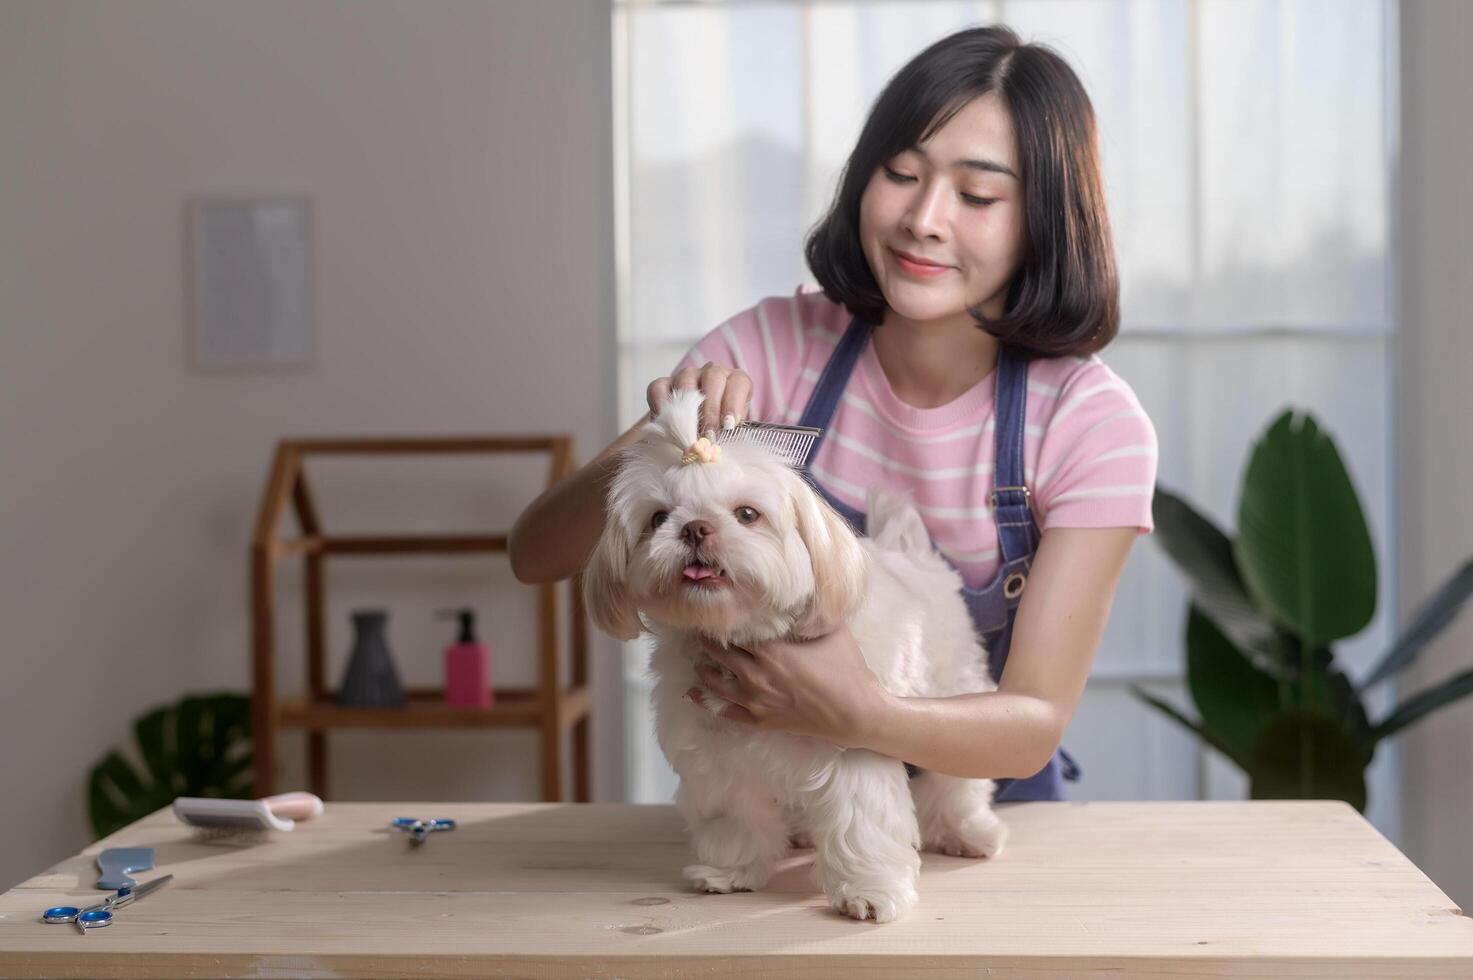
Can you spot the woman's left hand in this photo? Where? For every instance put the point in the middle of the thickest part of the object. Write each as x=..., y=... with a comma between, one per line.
x=820, y=687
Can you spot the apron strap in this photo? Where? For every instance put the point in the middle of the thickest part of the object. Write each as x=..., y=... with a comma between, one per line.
x=824, y=402
x=1017, y=533
x=830, y=387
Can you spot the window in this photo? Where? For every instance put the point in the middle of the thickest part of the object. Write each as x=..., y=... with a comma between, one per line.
x=1247, y=147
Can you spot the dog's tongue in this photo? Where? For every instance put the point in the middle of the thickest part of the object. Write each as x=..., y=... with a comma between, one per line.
x=696, y=572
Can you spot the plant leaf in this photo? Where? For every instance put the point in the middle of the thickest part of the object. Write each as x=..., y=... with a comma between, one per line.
x=1303, y=547
x=151, y=730
x=1192, y=726
x=1427, y=701
x=1428, y=621
x=108, y=790
x=1203, y=553
x=197, y=747
x=1233, y=696
x=190, y=736
x=1330, y=691
x=117, y=796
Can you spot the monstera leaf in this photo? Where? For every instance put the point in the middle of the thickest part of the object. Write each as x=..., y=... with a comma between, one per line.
x=198, y=747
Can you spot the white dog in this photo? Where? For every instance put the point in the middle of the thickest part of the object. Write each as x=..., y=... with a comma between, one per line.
x=739, y=549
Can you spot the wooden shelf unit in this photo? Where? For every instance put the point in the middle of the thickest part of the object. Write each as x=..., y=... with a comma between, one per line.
x=551, y=708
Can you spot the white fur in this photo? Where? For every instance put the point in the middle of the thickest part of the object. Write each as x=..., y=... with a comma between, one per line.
x=746, y=794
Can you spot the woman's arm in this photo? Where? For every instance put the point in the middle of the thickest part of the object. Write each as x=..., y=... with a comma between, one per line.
x=554, y=536
x=1012, y=732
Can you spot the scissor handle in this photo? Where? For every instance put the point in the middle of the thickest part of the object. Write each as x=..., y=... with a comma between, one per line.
x=419, y=830
x=409, y=823
x=92, y=917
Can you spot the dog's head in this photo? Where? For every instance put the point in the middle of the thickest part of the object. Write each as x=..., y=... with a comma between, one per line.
x=729, y=543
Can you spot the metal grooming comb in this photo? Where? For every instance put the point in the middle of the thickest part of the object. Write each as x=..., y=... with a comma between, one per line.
x=792, y=443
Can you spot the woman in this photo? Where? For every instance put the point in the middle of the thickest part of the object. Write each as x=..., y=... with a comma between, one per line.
x=968, y=279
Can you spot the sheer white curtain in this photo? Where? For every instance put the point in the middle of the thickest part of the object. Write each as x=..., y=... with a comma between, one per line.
x=1248, y=149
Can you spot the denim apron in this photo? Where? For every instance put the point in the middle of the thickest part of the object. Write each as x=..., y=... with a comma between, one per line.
x=994, y=606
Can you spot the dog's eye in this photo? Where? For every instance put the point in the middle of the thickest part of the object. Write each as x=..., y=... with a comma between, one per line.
x=746, y=515
x=658, y=518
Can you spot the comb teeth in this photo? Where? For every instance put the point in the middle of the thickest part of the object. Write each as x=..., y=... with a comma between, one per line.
x=792, y=443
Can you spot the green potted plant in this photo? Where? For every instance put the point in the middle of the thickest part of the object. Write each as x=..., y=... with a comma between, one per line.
x=1266, y=607
x=200, y=746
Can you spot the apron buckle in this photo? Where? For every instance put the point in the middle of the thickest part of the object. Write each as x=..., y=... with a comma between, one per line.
x=1027, y=494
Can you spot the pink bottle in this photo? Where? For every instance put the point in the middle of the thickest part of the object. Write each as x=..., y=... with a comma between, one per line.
x=467, y=665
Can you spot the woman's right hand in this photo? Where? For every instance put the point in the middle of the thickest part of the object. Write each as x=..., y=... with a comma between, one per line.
x=728, y=394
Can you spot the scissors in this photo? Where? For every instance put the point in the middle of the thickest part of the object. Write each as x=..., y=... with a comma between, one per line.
x=418, y=830
x=101, y=914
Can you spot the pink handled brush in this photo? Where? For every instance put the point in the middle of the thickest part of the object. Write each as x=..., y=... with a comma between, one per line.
x=231, y=817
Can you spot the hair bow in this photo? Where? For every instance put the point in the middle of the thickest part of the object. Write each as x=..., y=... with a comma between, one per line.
x=703, y=451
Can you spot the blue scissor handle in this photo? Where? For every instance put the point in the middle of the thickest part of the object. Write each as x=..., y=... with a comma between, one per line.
x=95, y=917
x=409, y=823
x=419, y=830
x=92, y=918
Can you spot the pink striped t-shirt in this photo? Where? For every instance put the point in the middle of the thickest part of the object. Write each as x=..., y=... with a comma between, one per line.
x=1089, y=449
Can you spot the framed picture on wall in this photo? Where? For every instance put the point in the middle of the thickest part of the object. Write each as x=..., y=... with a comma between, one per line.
x=250, y=278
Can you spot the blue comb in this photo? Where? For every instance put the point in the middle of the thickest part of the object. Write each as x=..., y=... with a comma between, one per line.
x=117, y=863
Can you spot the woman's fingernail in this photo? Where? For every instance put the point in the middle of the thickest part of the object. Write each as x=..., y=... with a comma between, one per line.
x=728, y=421
x=710, y=433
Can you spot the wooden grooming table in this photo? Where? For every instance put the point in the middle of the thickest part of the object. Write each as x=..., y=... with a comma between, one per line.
x=1260, y=889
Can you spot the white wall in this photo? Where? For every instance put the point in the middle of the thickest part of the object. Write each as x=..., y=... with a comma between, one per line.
x=1435, y=450
x=458, y=156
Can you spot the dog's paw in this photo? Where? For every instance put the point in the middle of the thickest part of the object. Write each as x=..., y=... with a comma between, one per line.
x=979, y=836
x=883, y=901
x=705, y=878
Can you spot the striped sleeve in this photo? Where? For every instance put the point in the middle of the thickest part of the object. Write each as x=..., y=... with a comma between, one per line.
x=1097, y=459
x=767, y=343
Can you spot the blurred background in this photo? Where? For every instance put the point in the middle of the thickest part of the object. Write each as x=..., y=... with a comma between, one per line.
x=509, y=216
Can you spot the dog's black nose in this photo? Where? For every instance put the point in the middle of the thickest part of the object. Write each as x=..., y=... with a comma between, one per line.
x=694, y=531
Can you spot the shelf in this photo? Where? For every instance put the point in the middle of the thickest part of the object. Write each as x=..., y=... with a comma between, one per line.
x=421, y=544
x=561, y=719
x=513, y=708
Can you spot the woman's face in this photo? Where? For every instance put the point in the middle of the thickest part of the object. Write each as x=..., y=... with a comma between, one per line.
x=955, y=201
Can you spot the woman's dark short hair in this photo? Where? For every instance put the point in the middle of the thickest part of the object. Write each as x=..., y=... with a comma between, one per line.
x=1065, y=296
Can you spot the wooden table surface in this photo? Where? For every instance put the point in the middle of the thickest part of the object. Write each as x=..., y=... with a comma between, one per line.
x=1281, y=889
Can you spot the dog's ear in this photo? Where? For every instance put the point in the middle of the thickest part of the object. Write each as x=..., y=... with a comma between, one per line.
x=604, y=594
x=838, y=563
x=893, y=523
